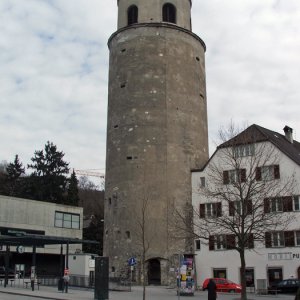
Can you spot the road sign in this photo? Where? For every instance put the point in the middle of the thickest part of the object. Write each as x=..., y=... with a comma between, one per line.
x=131, y=261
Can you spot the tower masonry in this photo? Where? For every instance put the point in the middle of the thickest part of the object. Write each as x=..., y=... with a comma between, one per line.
x=156, y=133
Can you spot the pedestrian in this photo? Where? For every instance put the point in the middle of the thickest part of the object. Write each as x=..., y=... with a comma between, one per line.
x=297, y=297
x=212, y=290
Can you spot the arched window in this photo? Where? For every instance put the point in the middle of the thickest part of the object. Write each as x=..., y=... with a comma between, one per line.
x=169, y=13
x=132, y=14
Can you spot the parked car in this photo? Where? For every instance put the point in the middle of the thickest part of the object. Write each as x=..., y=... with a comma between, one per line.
x=285, y=286
x=223, y=285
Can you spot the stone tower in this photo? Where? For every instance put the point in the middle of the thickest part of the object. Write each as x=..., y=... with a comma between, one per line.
x=156, y=133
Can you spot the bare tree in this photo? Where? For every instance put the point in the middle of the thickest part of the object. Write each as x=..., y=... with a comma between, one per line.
x=144, y=234
x=240, y=199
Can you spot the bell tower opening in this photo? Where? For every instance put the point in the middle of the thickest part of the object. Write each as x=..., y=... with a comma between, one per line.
x=154, y=272
x=169, y=13
x=132, y=14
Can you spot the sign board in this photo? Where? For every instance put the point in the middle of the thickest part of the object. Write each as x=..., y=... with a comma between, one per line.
x=131, y=261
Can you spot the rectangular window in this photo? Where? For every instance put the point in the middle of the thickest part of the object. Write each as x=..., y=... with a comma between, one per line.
x=210, y=210
x=220, y=242
x=267, y=173
x=243, y=150
x=202, y=182
x=67, y=220
x=233, y=176
x=296, y=203
x=277, y=239
x=197, y=245
x=297, y=238
x=276, y=205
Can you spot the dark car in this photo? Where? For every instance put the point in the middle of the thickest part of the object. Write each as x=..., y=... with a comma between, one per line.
x=223, y=285
x=285, y=286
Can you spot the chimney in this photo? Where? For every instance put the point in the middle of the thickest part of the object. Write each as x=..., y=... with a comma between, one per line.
x=288, y=133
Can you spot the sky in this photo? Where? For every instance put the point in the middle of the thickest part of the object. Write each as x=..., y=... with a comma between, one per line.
x=54, y=72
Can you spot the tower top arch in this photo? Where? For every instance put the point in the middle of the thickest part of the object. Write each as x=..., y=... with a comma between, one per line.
x=177, y=12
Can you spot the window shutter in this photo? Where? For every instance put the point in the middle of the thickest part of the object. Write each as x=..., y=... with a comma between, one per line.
x=268, y=240
x=230, y=241
x=211, y=242
x=231, y=208
x=219, y=209
x=287, y=203
x=249, y=207
x=276, y=172
x=266, y=205
x=202, y=211
x=243, y=175
x=225, y=177
x=251, y=241
x=289, y=240
x=258, y=174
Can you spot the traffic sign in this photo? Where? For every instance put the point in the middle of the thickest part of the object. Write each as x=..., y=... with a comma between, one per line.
x=131, y=261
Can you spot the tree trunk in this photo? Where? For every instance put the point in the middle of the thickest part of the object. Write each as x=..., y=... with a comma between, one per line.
x=243, y=275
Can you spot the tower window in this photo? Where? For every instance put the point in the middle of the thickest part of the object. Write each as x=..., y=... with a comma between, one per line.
x=169, y=13
x=132, y=14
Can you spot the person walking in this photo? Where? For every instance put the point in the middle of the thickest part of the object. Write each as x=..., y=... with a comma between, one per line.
x=212, y=290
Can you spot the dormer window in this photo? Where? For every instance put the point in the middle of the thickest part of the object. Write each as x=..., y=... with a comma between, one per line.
x=132, y=14
x=169, y=13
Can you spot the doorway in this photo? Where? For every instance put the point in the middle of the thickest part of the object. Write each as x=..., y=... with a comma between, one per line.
x=274, y=275
x=154, y=272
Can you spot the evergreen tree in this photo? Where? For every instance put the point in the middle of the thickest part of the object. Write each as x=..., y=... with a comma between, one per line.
x=72, y=197
x=14, y=171
x=49, y=175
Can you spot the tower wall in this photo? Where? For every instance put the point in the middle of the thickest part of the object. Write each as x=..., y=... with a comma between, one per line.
x=151, y=11
x=156, y=133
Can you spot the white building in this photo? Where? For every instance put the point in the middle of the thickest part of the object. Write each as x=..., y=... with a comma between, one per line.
x=275, y=257
x=23, y=217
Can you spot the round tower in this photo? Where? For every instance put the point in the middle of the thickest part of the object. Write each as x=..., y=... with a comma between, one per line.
x=156, y=133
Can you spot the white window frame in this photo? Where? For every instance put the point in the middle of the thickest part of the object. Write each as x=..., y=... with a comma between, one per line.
x=276, y=204
x=220, y=242
x=277, y=239
x=267, y=173
x=244, y=150
x=297, y=238
x=197, y=245
x=296, y=203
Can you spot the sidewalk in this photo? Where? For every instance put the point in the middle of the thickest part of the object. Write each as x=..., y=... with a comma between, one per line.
x=152, y=293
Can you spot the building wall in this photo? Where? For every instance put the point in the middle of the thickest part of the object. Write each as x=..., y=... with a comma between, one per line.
x=260, y=258
x=28, y=214
x=156, y=131
x=151, y=11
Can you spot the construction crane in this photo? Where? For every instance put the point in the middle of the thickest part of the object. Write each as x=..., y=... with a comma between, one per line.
x=90, y=172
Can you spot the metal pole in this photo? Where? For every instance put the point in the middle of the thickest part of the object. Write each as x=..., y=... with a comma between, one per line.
x=178, y=278
x=67, y=266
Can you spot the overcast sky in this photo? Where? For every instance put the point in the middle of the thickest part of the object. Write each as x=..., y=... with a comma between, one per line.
x=54, y=70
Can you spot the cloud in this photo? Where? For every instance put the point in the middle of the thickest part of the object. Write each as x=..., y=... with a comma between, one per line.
x=54, y=71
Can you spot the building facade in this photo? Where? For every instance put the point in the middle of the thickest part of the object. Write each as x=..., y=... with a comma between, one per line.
x=156, y=133
x=21, y=217
x=275, y=253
